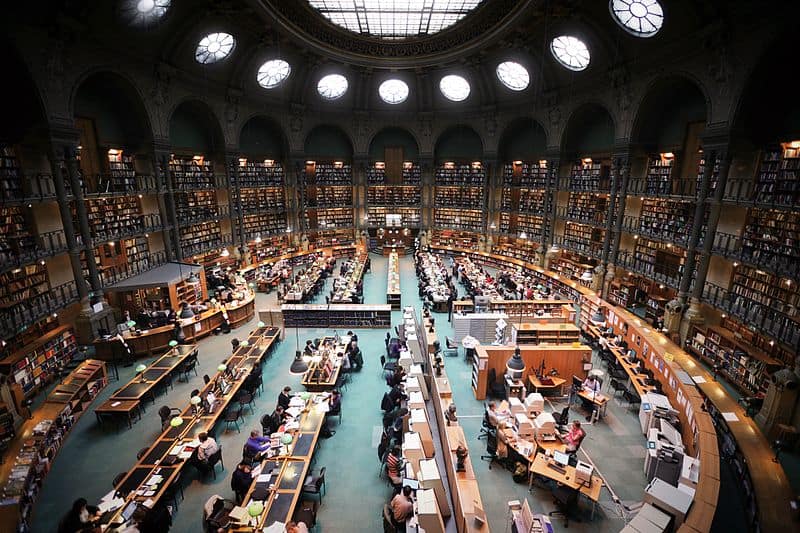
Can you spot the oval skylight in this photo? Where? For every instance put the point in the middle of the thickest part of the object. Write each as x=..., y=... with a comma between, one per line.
x=332, y=86
x=454, y=88
x=397, y=19
x=513, y=75
x=642, y=18
x=273, y=72
x=570, y=52
x=144, y=12
x=214, y=47
x=393, y=91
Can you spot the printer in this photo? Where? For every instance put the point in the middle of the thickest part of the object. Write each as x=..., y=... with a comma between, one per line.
x=516, y=406
x=545, y=425
x=534, y=404
x=663, y=459
x=583, y=472
x=523, y=426
x=650, y=402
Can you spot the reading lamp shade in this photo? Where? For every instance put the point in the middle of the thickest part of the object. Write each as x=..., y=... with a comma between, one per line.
x=195, y=400
x=587, y=276
x=286, y=439
x=140, y=368
x=598, y=318
x=298, y=365
x=176, y=422
x=222, y=368
x=515, y=365
x=255, y=509
x=260, y=324
x=244, y=343
x=173, y=343
x=193, y=279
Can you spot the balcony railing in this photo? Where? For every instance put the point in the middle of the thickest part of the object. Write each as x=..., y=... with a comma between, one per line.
x=31, y=310
x=657, y=272
x=122, y=272
x=36, y=248
x=683, y=187
x=108, y=185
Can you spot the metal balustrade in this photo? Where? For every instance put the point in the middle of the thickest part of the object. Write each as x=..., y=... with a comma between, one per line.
x=22, y=314
x=119, y=273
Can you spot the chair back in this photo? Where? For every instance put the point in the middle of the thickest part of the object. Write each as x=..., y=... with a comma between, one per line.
x=164, y=413
x=215, y=457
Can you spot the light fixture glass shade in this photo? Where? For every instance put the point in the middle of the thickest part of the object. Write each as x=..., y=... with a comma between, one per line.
x=195, y=400
x=130, y=323
x=186, y=312
x=515, y=364
x=244, y=343
x=176, y=422
x=193, y=279
x=286, y=439
x=260, y=324
x=222, y=368
x=598, y=318
x=173, y=344
x=140, y=368
x=587, y=275
x=255, y=509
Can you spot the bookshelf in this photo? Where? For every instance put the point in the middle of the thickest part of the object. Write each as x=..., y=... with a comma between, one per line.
x=654, y=307
x=455, y=239
x=659, y=174
x=192, y=173
x=327, y=218
x=391, y=195
x=137, y=253
x=524, y=200
x=190, y=293
x=252, y=174
x=112, y=217
x=196, y=205
x=261, y=199
x=461, y=219
x=409, y=216
x=532, y=174
x=622, y=293
x=10, y=174
x=264, y=224
x=200, y=236
x=517, y=224
x=335, y=237
x=583, y=238
x=746, y=366
x=546, y=333
x=460, y=175
x=16, y=239
x=766, y=289
x=588, y=208
x=589, y=175
x=669, y=220
x=701, y=168
x=659, y=260
x=23, y=283
x=34, y=365
x=121, y=172
x=329, y=173
x=778, y=178
x=410, y=174
x=573, y=266
x=523, y=249
x=771, y=238
x=337, y=316
x=461, y=197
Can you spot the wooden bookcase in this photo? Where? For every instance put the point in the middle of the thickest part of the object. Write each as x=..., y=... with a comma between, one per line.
x=584, y=239
x=572, y=266
x=546, y=333
x=16, y=237
x=669, y=220
x=587, y=208
x=10, y=174
x=112, y=217
x=392, y=195
x=590, y=175
x=192, y=173
x=268, y=247
x=622, y=293
x=201, y=236
x=659, y=174
x=454, y=238
x=660, y=260
x=459, y=196
x=746, y=366
x=771, y=238
x=409, y=216
x=34, y=365
x=524, y=249
x=332, y=237
x=23, y=283
x=516, y=224
x=459, y=219
x=778, y=178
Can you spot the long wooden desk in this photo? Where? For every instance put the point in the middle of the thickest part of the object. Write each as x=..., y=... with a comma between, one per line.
x=556, y=384
x=135, y=485
x=70, y=398
x=289, y=468
x=393, y=294
x=770, y=486
x=346, y=287
x=128, y=398
x=313, y=378
x=156, y=340
x=592, y=491
x=637, y=380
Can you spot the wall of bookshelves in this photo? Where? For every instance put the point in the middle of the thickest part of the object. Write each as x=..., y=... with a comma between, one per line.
x=410, y=174
x=203, y=235
x=659, y=174
x=263, y=224
x=389, y=195
x=334, y=237
x=461, y=219
x=16, y=235
x=516, y=224
x=272, y=246
x=112, y=217
x=192, y=173
x=590, y=175
x=778, y=177
x=455, y=239
x=34, y=365
x=121, y=173
x=583, y=238
x=531, y=174
x=262, y=199
x=321, y=219
x=460, y=175
x=667, y=219
x=701, y=168
x=463, y=197
x=658, y=260
x=572, y=266
x=524, y=249
x=409, y=216
x=10, y=174
x=587, y=207
x=23, y=283
x=771, y=238
x=256, y=174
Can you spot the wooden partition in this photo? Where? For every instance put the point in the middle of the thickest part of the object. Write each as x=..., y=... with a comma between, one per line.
x=675, y=369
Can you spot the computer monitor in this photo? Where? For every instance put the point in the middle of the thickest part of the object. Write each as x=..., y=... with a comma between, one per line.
x=632, y=354
x=577, y=382
x=127, y=513
x=561, y=458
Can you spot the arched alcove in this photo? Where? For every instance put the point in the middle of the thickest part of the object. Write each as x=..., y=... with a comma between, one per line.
x=768, y=112
x=328, y=142
x=670, y=105
x=193, y=126
x=262, y=137
x=393, y=139
x=589, y=131
x=523, y=139
x=21, y=107
x=459, y=143
x=108, y=104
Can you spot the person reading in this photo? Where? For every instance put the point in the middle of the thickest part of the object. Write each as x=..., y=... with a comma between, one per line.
x=574, y=436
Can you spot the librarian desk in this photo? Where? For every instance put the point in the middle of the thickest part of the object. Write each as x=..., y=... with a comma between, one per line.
x=551, y=384
x=597, y=399
x=156, y=340
x=540, y=467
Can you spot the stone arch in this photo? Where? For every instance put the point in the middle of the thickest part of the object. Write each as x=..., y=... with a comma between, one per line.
x=523, y=138
x=263, y=136
x=328, y=141
x=460, y=143
x=194, y=125
x=397, y=136
x=668, y=105
x=590, y=129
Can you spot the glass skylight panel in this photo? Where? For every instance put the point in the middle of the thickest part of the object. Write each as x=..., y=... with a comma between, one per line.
x=332, y=86
x=393, y=91
x=642, y=18
x=144, y=12
x=273, y=73
x=454, y=88
x=570, y=52
x=513, y=75
x=396, y=19
x=214, y=47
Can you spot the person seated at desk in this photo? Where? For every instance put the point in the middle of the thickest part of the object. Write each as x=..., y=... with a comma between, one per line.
x=257, y=443
x=356, y=358
x=325, y=367
x=590, y=386
x=309, y=349
x=496, y=415
x=394, y=465
x=278, y=417
x=450, y=415
x=397, y=376
x=241, y=481
x=80, y=518
x=296, y=527
x=207, y=447
x=402, y=508
x=574, y=436
x=285, y=397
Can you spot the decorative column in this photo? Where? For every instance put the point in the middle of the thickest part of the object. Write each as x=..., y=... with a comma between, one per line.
x=295, y=182
x=235, y=206
x=553, y=186
x=426, y=167
x=360, y=164
x=493, y=184
x=622, y=164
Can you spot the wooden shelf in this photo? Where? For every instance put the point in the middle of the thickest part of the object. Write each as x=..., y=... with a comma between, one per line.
x=337, y=316
x=34, y=366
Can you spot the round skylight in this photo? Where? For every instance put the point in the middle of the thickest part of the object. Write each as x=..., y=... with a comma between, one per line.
x=513, y=75
x=273, y=72
x=397, y=19
x=570, y=52
x=454, y=88
x=214, y=47
x=642, y=18
x=393, y=91
x=144, y=12
x=332, y=86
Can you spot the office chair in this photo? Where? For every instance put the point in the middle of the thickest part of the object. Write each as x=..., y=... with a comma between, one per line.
x=232, y=416
x=166, y=413
x=495, y=389
x=388, y=523
x=486, y=425
x=215, y=458
x=491, y=448
x=306, y=512
x=141, y=453
x=617, y=386
x=451, y=348
x=118, y=479
x=315, y=484
x=566, y=500
x=387, y=367
x=562, y=419
x=631, y=398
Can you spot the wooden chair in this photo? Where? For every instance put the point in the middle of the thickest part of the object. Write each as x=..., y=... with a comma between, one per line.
x=315, y=484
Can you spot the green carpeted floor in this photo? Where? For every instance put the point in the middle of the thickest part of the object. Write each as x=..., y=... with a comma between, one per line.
x=92, y=456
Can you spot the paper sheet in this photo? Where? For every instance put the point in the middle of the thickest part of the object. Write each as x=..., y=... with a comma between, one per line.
x=699, y=379
x=730, y=417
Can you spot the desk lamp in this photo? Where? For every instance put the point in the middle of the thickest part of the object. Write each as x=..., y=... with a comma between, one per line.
x=139, y=369
x=195, y=401
x=173, y=343
x=176, y=422
x=186, y=311
x=254, y=510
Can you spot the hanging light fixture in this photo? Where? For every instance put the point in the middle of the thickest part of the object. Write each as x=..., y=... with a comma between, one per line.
x=587, y=275
x=515, y=366
x=224, y=252
x=193, y=279
x=298, y=365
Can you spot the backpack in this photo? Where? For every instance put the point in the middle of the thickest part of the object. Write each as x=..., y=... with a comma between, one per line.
x=386, y=402
x=520, y=474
